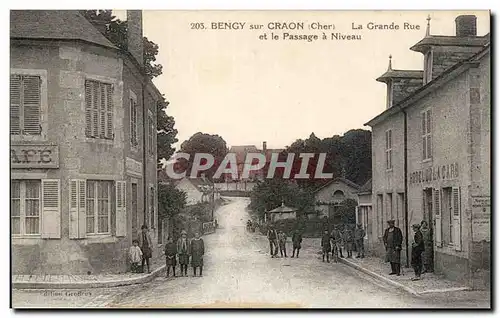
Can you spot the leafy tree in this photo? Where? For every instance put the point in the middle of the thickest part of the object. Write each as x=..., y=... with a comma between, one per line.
x=166, y=131
x=171, y=201
x=205, y=143
x=115, y=31
x=347, y=211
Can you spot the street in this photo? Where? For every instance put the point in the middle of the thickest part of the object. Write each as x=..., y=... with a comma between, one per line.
x=239, y=272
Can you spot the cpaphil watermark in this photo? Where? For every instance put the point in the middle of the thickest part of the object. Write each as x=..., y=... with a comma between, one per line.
x=301, y=166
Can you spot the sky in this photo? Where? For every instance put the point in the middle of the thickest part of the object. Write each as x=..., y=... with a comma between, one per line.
x=230, y=83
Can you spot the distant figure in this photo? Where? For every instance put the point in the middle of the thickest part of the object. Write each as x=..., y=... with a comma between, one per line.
x=296, y=242
x=428, y=254
x=348, y=240
x=326, y=246
x=170, y=256
x=272, y=236
x=216, y=224
x=183, y=249
x=393, y=239
x=417, y=248
x=359, y=236
x=335, y=252
x=197, y=252
x=135, y=255
x=145, y=243
x=338, y=239
x=282, y=243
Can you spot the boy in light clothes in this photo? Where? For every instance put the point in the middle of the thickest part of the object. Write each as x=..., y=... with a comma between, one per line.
x=135, y=255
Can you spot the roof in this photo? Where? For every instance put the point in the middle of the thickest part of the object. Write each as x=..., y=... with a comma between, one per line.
x=339, y=179
x=401, y=74
x=447, y=40
x=283, y=209
x=242, y=151
x=54, y=25
x=431, y=86
x=366, y=188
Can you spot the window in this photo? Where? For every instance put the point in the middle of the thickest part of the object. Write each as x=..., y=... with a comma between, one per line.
x=25, y=207
x=447, y=217
x=390, y=216
x=426, y=135
x=133, y=121
x=428, y=67
x=151, y=134
x=98, y=206
x=380, y=214
x=388, y=149
x=98, y=110
x=152, y=205
x=25, y=104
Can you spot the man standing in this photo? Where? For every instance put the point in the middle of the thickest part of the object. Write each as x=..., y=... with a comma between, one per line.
x=416, y=251
x=337, y=233
x=326, y=246
x=296, y=241
x=359, y=235
x=348, y=240
x=183, y=249
x=393, y=239
x=272, y=236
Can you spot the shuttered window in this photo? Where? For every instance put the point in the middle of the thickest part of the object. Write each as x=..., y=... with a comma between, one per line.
x=98, y=206
x=388, y=149
x=98, y=110
x=25, y=104
x=151, y=128
x=25, y=207
x=133, y=122
x=426, y=135
x=152, y=205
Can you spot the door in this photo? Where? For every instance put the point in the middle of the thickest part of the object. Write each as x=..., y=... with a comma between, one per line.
x=134, y=210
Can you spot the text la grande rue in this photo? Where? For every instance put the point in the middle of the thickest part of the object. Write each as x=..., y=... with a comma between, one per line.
x=390, y=26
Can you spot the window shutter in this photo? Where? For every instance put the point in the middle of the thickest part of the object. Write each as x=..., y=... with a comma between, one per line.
x=51, y=209
x=73, y=209
x=82, y=212
x=31, y=104
x=121, y=208
x=15, y=104
x=102, y=110
x=436, y=206
x=109, y=112
x=88, y=109
x=457, y=221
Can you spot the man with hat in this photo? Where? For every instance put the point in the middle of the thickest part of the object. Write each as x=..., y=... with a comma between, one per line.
x=183, y=249
x=272, y=236
x=416, y=251
x=359, y=236
x=393, y=240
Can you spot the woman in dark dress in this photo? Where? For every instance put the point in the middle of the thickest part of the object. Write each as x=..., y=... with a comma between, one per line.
x=393, y=239
x=170, y=255
x=197, y=251
x=145, y=243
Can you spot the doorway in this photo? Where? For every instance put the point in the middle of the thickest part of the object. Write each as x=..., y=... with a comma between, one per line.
x=428, y=212
x=134, y=210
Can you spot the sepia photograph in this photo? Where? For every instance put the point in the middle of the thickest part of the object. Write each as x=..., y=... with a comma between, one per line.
x=284, y=159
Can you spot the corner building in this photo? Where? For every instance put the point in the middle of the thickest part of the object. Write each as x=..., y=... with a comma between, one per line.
x=431, y=153
x=83, y=145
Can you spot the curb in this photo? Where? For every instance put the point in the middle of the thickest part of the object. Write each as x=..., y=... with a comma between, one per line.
x=380, y=277
x=84, y=285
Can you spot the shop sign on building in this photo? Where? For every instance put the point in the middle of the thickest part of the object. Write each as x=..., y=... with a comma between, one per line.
x=34, y=156
x=435, y=173
x=481, y=215
x=133, y=167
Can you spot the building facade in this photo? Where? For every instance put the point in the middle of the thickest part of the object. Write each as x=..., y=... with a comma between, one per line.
x=83, y=145
x=431, y=154
x=330, y=196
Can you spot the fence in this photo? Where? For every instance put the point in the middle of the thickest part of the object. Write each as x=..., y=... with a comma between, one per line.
x=208, y=227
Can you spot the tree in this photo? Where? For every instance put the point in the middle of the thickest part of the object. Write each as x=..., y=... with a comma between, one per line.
x=171, y=201
x=347, y=211
x=166, y=132
x=115, y=31
x=205, y=143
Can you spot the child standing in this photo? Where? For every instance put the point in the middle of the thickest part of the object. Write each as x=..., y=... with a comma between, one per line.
x=282, y=243
x=296, y=241
x=135, y=255
x=170, y=255
x=197, y=251
x=326, y=246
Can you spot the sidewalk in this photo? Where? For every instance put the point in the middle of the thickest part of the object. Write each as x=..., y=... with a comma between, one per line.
x=87, y=281
x=429, y=282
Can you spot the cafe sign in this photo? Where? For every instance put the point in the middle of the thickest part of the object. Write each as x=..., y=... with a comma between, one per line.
x=435, y=173
x=39, y=156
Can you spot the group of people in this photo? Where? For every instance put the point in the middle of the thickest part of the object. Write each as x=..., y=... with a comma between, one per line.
x=184, y=250
x=277, y=239
x=421, y=249
x=339, y=239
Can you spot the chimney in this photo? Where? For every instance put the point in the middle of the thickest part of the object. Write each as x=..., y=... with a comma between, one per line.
x=264, y=146
x=466, y=25
x=134, y=35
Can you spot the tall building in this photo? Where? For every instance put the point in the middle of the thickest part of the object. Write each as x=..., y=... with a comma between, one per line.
x=83, y=144
x=431, y=152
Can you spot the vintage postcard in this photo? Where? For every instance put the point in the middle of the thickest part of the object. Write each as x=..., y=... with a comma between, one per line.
x=250, y=159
